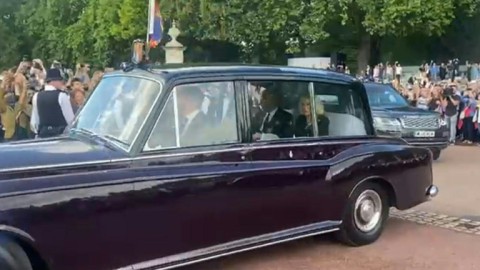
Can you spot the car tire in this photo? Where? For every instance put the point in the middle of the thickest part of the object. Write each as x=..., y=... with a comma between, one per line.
x=359, y=227
x=436, y=154
x=12, y=256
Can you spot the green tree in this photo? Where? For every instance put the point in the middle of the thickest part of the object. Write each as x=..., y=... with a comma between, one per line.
x=101, y=31
x=9, y=43
x=105, y=30
x=92, y=38
x=132, y=24
x=260, y=25
x=263, y=28
x=10, y=39
x=47, y=22
x=370, y=20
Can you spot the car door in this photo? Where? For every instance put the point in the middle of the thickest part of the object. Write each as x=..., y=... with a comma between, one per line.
x=187, y=199
x=295, y=172
x=287, y=170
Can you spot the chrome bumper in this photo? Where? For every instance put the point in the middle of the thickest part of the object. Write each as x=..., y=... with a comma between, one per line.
x=432, y=191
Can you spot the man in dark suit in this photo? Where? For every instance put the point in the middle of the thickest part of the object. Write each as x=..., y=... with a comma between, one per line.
x=193, y=124
x=276, y=121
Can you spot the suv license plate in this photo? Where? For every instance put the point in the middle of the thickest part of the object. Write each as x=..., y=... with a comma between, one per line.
x=425, y=134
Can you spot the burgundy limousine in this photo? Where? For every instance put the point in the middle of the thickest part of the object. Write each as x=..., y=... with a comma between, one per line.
x=169, y=167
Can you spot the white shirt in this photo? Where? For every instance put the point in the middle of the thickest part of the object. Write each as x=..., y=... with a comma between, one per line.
x=389, y=71
x=189, y=117
x=205, y=104
x=226, y=104
x=399, y=71
x=63, y=101
x=270, y=115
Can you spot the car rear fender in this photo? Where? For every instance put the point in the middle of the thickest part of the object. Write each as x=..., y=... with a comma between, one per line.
x=404, y=171
x=387, y=186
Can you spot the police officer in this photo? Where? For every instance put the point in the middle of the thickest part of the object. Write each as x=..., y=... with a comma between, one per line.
x=52, y=110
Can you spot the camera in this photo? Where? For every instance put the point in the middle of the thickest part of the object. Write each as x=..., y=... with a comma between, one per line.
x=448, y=92
x=456, y=63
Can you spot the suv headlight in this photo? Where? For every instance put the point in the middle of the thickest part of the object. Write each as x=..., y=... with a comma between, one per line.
x=386, y=124
x=441, y=122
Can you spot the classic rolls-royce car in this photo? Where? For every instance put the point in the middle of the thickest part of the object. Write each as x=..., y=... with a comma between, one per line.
x=394, y=116
x=169, y=167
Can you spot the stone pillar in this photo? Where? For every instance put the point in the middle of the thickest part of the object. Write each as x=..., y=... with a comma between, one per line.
x=174, y=49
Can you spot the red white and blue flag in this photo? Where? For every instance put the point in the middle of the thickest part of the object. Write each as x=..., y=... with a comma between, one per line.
x=155, y=24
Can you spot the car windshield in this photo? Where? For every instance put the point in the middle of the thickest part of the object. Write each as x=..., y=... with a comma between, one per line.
x=117, y=109
x=384, y=96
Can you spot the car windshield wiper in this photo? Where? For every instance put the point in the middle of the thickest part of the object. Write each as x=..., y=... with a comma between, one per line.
x=114, y=139
x=83, y=131
x=105, y=138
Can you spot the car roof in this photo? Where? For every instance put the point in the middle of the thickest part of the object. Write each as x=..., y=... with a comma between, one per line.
x=178, y=71
x=375, y=84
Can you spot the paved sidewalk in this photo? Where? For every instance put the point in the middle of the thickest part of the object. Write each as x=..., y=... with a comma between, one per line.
x=439, y=220
x=457, y=173
x=403, y=246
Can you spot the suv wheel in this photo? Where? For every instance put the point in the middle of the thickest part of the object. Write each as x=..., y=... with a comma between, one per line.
x=366, y=215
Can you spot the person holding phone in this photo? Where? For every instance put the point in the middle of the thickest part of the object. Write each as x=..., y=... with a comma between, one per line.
x=450, y=102
x=37, y=75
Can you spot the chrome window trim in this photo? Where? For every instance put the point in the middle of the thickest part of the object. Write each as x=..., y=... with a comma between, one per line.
x=313, y=108
x=64, y=165
x=244, y=147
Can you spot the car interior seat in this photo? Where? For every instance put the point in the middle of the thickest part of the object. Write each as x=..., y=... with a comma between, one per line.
x=345, y=125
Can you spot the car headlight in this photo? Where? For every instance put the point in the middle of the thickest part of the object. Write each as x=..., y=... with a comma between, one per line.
x=441, y=122
x=387, y=124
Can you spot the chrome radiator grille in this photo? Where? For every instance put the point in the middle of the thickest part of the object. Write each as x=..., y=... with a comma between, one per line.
x=420, y=122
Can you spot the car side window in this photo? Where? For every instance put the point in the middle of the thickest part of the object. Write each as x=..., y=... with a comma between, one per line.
x=341, y=109
x=196, y=115
x=280, y=110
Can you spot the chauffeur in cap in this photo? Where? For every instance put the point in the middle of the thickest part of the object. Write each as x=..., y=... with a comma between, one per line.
x=52, y=110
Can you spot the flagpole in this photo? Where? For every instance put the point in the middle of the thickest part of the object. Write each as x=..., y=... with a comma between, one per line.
x=149, y=22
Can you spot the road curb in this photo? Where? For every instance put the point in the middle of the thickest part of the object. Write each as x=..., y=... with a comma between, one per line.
x=438, y=220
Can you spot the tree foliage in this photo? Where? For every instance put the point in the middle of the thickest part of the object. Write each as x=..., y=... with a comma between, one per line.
x=101, y=31
x=299, y=23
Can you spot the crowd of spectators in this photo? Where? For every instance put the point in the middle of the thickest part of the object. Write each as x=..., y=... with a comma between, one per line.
x=19, y=85
x=441, y=88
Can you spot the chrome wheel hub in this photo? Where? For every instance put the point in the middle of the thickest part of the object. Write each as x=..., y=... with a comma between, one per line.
x=368, y=211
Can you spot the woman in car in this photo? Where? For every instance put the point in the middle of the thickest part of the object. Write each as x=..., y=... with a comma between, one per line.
x=303, y=123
